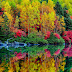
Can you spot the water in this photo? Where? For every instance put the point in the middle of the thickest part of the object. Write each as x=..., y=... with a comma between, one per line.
x=21, y=57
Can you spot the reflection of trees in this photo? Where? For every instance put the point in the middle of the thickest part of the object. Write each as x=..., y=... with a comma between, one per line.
x=53, y=48
x=68, y=59
x=33, y=50
x=4, y=55
x=68, y=64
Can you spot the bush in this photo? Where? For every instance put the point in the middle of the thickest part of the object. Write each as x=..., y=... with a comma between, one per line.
x=53, y=48
x=19, y=39
x=52, y=39
x=5, y=36
x=34, y=39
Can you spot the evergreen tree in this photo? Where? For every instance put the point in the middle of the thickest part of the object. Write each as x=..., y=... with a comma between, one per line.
x=62, y=12
x=58, y=9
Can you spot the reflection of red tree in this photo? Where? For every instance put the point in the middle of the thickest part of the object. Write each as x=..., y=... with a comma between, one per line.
x=19, y=56
x=67, y=51
x=57, y=52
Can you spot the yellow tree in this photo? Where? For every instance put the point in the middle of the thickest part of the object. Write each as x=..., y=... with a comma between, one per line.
x=68, y=4
x=33, y=16
x=62, y=24
x=59, y=23
x=30, y=15
x=51, y=20
x=8, y=12
x=44, y=22
x=49, y=13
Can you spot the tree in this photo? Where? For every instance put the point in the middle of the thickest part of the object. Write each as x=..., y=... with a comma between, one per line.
x=62, y=12
x=58, y=9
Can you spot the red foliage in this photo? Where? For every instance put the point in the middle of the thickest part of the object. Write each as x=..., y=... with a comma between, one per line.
x=71, y=69
x=71, y=17
x=64, y=33
x=66, y=38
x=57, y=35
x=1, y=13
x=35, y=28
x=19, y=33
x=40, y=18
x=69, y=34
x=66, y=49
x=19, y=55
x=71, y=40
x=67, y=11
x=48, y=54
x=47, y=35
x=45, y=50
x=57, y=52
x=2, y=9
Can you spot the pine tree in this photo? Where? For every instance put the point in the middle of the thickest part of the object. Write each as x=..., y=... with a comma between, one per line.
x=58, y=9
x=62, y=12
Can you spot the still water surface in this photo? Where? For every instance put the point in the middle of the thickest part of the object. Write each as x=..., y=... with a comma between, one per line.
x=47, y=58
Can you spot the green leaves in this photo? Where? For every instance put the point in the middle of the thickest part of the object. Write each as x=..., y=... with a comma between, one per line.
x=53, y=39
x=12, y=4
x=53, y=48
x=33, y=38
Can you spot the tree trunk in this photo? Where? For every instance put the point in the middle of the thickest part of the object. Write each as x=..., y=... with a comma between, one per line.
x=41, y=23
x=14, y=20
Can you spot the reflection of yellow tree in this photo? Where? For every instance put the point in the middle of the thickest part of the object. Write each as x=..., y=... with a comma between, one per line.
x=62, y=63
x=45, y=64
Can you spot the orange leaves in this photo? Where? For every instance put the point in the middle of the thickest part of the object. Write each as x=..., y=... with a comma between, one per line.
x=67, y=11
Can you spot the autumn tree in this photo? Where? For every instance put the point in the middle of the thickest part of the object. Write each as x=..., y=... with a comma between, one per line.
x=59, y=24
x=62, y=12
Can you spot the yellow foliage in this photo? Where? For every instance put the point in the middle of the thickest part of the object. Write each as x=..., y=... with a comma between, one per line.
x=51, y=4
x=9, y=16
x=7, y=7
x=1, y=19
x=2, y=69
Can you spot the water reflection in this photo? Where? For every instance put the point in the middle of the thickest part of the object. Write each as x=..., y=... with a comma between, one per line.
x=48, y=58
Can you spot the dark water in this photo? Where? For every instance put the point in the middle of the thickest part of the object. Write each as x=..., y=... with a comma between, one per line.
x=36, y=55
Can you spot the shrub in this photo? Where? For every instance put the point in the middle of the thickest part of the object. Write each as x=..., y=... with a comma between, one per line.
x=53, y=39
x=33, y=38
